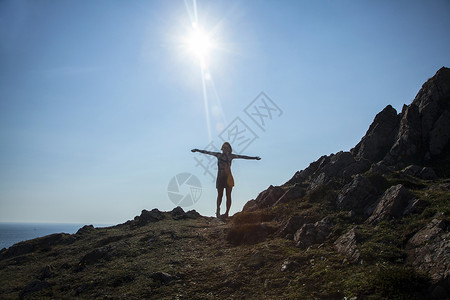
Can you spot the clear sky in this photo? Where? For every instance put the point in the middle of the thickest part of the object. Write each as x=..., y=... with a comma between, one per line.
x=101, y=101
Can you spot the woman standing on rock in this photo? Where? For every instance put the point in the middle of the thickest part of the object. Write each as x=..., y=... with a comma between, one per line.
x=224, y=177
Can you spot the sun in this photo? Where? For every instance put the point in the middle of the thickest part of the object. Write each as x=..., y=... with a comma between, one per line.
x=199, y=42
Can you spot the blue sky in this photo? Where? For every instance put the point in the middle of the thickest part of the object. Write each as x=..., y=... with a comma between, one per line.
x=100, y=103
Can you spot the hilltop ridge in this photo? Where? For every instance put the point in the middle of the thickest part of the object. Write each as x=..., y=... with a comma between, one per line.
x=369, y=223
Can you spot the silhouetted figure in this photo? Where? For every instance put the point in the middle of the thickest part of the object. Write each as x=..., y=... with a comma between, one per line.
x=224, y=177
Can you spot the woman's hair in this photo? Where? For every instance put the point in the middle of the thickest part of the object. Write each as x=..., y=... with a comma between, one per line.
x=228, y=145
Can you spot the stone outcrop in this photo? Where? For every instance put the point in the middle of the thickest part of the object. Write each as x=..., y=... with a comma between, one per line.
x=419, y=134
x=293, y=224
x=429, y=251
x=346, y=245
x=420, y=172
x=335, y=170
x=265, y=199
x=392, y=204
x=380, y=137
x=149, y=216
x=424, y=131
x=311, y=234
x=357, y=196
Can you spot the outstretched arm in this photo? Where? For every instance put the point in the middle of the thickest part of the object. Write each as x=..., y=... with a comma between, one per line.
x=206, y=152
x=246, y=157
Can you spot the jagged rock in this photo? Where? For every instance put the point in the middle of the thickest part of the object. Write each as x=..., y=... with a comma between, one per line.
x=380, y=136
x=346, y=245
x=250, y=206
x=357, y=195
x=427, y=173
x=335, y=170
x=192, y=214
x=392, y=204
x=420, y=172
x=85, y=229
x=295, y=192
x=302, y=176
x=342, y=165
x=178, y=213
x=424, y=130
x=162, y=277
x=293, y=224
x=310, y=234
x=265, y=199
x=440, y=135
x=412, y=170
x=379, y=169
x=149, y=216
x=408, y=145
x=414, y=206
x=429, y=251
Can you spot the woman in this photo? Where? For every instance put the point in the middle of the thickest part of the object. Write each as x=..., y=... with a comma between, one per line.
x=224, y=177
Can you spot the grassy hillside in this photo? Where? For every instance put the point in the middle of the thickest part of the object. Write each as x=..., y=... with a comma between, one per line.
x=244, y=256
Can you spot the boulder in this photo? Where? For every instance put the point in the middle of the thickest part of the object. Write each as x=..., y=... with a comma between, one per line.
x=429, y=251
x=426, y=173
x=293, y=224
x=311, y=234
x=357, y=195
x=414, y=206
x=412, y=170
x=392, y=204
x=346, y=245
x=379, y=169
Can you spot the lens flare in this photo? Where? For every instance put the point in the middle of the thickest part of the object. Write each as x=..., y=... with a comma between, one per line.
x=199, y=42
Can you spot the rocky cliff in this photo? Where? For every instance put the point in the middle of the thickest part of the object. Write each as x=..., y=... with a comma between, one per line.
x=372, y=222
x=387, y=177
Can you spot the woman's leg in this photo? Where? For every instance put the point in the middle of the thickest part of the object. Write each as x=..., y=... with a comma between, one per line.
x=228, y=191
x=219, y=200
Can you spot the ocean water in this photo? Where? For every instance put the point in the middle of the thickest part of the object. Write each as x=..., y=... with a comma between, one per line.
x=12, y=233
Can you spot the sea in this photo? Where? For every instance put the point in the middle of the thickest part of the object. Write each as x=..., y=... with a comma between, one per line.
x=12, y=233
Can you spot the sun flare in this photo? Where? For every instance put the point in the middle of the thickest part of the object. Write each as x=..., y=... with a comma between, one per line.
x=199, y=42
